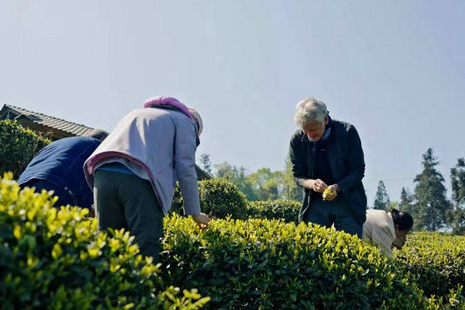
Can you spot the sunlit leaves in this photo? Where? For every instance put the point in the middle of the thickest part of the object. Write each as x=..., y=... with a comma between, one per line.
x=56, y=259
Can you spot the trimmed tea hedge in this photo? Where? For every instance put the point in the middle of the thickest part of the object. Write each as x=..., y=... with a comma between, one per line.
x=56, y=259
x=261, y=264
x=18, y=146
x=436, y=259
x=221, y=199
x=288, y=210
x=218, y=198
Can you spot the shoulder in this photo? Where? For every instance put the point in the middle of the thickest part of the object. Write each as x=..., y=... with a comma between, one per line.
x=342, y=126
x=376, y=213
x=297, y=136
x=150, y=118
x=77, y=142
x=345, y=130
x=182, y=122
x=380, y=217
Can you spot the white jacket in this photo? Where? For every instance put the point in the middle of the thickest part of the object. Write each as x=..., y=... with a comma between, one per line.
x=379, y=230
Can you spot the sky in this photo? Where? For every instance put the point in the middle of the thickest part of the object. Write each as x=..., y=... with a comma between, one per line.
x=393, y=69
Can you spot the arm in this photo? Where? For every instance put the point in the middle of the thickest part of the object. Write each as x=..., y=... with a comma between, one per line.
x=355, y=162
x=298, y=164
x=184, y=161
x=299, y=168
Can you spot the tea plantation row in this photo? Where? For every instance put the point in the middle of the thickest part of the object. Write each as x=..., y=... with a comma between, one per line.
x=56, y=259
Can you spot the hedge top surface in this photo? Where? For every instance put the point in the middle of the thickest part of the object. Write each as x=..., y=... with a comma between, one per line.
x=262, y=264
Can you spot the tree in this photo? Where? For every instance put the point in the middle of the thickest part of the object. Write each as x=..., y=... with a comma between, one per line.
x=267, y=184
x=406, y=200
x=225, y=171
x=456, y=216
x=237, y=176
x=290, y=188
x=382, y=201
x=205, y=163
x=429, y=211
x=264, y=184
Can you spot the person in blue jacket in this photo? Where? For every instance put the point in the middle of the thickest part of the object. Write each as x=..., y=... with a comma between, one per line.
x=58, y=167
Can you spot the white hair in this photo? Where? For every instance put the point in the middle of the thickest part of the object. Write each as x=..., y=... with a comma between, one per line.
x=309, y=109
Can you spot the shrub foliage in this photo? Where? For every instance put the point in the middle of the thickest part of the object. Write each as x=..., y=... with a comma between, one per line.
x=18, y=146
x=261, y=264
x=288, y=210
x=55, y=259
x=436, y=259
x=221, y=199
x=218, y=198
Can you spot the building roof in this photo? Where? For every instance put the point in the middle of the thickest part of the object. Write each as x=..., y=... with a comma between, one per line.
x=54, y=123
x=201, y=174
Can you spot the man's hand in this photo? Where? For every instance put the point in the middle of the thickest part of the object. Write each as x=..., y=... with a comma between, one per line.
x=316, y=185
x=201, y=219
x=330, y=193
x=334, y=187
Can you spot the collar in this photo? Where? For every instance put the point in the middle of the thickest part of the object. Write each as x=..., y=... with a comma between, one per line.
x=326, y=134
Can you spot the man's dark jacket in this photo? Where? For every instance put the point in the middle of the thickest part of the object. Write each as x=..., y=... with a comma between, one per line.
x=345, y=157
x=60, y=163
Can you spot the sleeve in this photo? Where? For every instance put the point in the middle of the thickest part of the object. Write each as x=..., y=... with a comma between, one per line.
x=298, y=163
x=355, y=162
x=184, y=164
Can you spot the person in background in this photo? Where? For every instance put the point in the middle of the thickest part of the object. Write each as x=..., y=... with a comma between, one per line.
x=387, y=229
x=327, y=161
x=58, y=167
x=134, y=171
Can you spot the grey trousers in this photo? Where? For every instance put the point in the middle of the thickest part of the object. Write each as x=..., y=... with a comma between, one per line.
x=327, y=213
x=127, y=201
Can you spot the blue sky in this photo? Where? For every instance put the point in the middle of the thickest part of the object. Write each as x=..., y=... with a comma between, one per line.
x=394, y=69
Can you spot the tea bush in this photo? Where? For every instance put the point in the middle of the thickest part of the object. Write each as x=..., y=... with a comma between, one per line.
x=218, y=198
x=56, y=259
x=288, y=210
x=436, y=259
x=18, y=146
x=261, y=264
x=221, y=199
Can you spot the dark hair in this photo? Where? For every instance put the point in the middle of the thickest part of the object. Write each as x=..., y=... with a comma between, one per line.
x=402, y=219
x=98, y=134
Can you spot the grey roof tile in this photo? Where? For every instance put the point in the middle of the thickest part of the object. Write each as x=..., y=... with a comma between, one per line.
x=52, y=122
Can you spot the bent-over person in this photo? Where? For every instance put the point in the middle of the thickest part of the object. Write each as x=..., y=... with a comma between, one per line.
x=58, y=168
x=134, y=171
x=387, y=229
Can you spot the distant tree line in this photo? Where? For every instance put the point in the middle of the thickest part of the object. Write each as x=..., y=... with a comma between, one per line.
x=429, y=205
x=264, y=184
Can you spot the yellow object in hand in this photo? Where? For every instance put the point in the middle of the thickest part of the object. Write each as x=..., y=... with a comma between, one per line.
x=328, y=192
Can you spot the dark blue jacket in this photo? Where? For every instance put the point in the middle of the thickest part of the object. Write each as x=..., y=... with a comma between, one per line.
x=346, y=163
x=60, y=163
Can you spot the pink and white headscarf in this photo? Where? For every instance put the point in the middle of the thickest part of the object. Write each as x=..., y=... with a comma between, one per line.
x=165, y=100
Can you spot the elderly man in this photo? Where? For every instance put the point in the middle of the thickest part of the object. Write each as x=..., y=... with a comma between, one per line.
x=134, y=171
x=327, y=161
